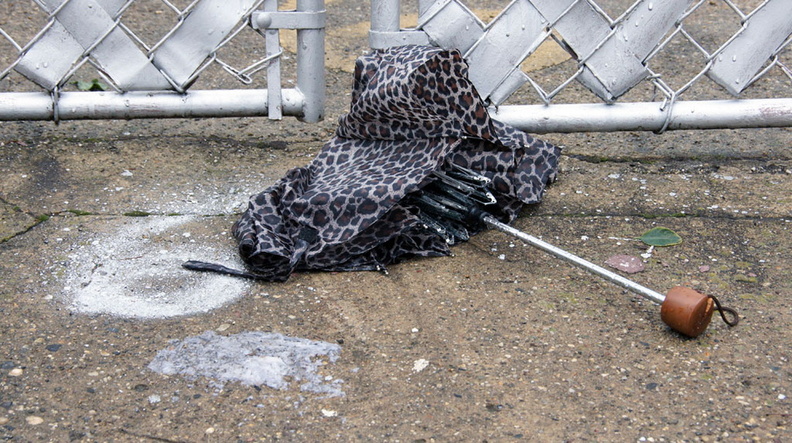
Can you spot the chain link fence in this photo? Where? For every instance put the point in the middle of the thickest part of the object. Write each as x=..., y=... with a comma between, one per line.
x=653, y=67
x=90, y=59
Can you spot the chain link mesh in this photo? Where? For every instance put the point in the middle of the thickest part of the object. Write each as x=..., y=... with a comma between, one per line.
x=144, y=26
x=708, y=56
x=685, y=62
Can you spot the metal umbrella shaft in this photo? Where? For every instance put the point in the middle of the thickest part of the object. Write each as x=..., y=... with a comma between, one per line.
x=450, y=203
x=654, y=296
x=447, y=207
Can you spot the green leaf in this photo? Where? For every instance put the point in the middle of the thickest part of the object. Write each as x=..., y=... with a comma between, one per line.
x=93, y=85
x=660, y=237
x=96, y=85
x=83, y=86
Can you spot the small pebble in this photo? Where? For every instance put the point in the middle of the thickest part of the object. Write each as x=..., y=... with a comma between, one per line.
x=626, y=263
x=34, y=420
x=16, y=372
x=420, y=364
x=209, y=431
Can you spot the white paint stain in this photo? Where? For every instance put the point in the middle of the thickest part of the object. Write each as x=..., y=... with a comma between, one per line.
x=136, y=272
x=254, y=359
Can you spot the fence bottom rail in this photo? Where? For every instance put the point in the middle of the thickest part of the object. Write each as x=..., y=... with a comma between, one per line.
x=131, y=105
x=539, y=119
x=711, y=114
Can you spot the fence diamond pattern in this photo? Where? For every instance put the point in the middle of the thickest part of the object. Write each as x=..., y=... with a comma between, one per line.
x=613, y=55
x=92, y=31
x=97, y=33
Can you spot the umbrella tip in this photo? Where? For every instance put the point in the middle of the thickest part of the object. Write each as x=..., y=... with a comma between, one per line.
x=689, y=312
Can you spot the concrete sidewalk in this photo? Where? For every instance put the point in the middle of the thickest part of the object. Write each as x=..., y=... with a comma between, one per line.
x=498, y=342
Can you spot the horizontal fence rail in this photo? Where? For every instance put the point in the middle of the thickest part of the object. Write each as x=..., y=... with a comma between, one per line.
x=139, y=79
x=625, y=63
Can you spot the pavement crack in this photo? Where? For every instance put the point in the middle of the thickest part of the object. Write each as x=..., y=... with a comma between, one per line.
x=148, y=436
x=25, y=226
x=91, y=275
x=773, y=165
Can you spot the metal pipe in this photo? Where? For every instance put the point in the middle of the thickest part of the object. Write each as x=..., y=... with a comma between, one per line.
x=385, y=15
x=130, y=105
x=654, y=296
x=385, y=23
x=310, y=64
x=720, y=114
x=272, y=47
x=710, y=114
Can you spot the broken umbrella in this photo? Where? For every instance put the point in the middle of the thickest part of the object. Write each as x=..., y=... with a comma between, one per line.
x=404, y=175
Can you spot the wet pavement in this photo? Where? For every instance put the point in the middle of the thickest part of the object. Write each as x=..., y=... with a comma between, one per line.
x=499, y=342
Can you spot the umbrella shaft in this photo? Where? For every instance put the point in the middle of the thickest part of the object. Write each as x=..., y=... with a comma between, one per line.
x=645, y=292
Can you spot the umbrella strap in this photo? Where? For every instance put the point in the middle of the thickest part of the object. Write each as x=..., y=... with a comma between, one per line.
x=723, y=309
x=201, y=266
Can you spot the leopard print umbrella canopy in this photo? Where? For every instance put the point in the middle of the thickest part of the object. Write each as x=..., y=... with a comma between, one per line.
x=413, y=112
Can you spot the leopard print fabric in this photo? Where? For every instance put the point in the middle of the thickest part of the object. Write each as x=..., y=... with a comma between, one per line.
x=413, y=112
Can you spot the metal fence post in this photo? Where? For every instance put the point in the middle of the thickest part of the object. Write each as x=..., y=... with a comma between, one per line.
x=386, y=26
x=310, y=62
x=385, y=15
